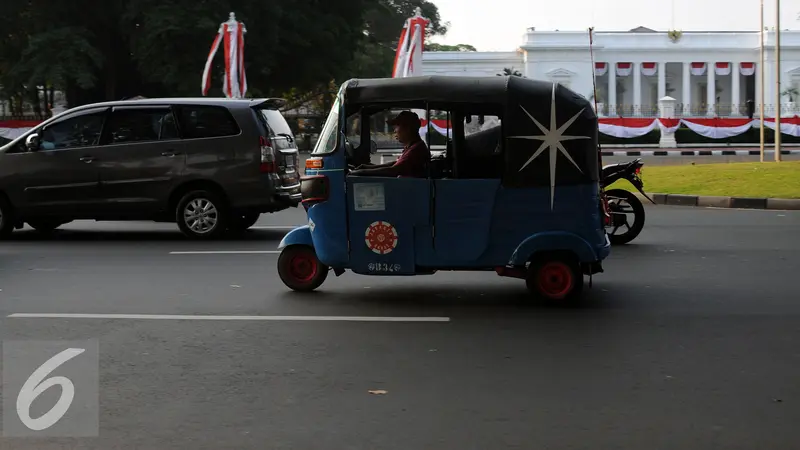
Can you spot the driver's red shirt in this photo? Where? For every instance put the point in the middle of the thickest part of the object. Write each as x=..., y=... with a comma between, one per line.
x=414, y=161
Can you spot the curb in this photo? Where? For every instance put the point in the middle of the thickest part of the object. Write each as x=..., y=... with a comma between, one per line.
x=696, y=153
x=725, y=202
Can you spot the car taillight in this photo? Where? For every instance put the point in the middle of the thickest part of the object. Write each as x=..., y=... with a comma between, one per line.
x=268, y=163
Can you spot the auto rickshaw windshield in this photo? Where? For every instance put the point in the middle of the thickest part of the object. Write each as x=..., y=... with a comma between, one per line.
x=329, y=135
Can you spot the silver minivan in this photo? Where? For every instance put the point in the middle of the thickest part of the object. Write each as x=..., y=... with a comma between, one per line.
x=209, y=165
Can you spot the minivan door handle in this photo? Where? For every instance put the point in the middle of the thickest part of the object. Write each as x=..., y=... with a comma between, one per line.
x=87, y=159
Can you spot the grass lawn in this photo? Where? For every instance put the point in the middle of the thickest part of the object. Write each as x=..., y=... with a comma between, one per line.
x=768, y=179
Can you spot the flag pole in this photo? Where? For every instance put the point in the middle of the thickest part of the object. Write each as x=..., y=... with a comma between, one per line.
x=761, y=87
x=778, y=79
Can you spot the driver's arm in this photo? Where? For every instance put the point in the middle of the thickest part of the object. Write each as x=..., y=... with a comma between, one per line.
x=375, y=166
x=380, y=171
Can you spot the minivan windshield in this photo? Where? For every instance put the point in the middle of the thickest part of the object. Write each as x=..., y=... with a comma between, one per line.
x=329, y=136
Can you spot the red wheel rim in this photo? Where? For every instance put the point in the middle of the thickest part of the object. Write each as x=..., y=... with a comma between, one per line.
x=303, y=267
x=554, y=280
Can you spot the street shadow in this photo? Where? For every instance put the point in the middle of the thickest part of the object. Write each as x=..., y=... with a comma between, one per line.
x=105, y=235
x=496, y=300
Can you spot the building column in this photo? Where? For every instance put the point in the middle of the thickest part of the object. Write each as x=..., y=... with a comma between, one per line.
x=711, y=87
x=662, y=80
x=612, y=89
x=769, y=87
x=757, y=74
x=735, y=90
x=687, y=88
x=637, y=87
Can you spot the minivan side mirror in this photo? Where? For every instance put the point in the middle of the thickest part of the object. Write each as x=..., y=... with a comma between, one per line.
x=32, y=142
x=373, y=147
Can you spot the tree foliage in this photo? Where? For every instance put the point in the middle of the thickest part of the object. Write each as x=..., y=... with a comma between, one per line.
x=433, y=47
x=97, y=50
x=510, y=72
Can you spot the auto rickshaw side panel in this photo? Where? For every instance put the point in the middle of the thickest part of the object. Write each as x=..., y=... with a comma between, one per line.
x=388, y=219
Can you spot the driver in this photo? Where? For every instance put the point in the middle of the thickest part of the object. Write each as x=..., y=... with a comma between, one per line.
x=416, y=157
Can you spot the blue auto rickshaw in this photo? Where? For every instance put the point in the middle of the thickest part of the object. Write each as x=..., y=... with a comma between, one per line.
x=520, y=196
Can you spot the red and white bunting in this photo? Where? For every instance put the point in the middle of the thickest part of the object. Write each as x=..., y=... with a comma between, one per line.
x=789, y=125
x=649, y=69
x=713, y=128
x=722, y=69
x=600, y=69
x=439, y=125
x=747, y=68
x=627, y=128
x=12, y=129
x=231, y=36
x=698, y=68
x=718, y=128
x=624, y=69
x=408, y=56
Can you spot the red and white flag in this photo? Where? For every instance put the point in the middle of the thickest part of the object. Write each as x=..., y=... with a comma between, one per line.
x=408, y=57
x=231, y=36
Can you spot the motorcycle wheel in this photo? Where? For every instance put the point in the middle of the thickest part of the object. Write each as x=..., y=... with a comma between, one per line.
x=622, y=203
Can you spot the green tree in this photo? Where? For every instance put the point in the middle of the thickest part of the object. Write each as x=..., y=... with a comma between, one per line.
x=434, y=47
x=510, y=72
x=109, y=49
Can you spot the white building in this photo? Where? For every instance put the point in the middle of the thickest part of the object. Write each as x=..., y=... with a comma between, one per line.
x=649, y=65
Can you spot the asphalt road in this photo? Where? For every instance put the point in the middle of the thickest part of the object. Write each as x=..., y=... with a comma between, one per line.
x=690, y=340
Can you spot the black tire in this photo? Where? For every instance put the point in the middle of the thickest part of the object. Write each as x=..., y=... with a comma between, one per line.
x=244, y=221
x=45, y=225
x=300, y=270
x=197, y=220
x=617, y=198
x=7, y=218
x=555, y=277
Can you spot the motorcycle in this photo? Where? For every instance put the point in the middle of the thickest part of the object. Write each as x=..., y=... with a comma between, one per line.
x=621, y=203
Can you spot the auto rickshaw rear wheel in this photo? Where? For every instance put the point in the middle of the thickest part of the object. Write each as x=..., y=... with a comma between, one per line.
x=300, y=269
x=555, y=276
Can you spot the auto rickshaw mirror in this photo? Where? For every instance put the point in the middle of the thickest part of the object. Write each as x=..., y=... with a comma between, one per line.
x=468, y=119
x=373, y=147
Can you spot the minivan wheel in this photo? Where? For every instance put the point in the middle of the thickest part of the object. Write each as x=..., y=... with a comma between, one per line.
x=202, y=214
x=6, y=218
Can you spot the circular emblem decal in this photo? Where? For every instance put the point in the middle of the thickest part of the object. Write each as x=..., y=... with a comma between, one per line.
x=381, y=237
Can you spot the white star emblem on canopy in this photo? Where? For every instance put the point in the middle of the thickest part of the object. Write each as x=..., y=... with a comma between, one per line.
x=552, y=139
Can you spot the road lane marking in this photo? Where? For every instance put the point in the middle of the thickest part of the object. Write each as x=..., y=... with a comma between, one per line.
x=228, y=252
x=241, y=318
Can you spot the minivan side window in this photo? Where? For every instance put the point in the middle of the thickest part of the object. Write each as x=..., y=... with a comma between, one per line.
x=198, y=122
x=76, y=132
x=141, y=125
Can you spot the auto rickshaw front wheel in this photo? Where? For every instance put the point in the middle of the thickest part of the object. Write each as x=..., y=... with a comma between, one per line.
x=555, y=277
x=300, y=269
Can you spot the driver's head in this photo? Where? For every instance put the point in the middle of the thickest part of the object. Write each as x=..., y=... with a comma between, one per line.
x=406, y=127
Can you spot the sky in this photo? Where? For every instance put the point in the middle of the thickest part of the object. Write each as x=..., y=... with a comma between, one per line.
x=498, y=25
